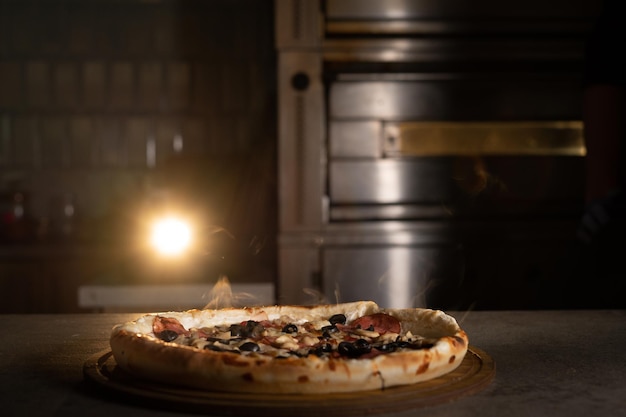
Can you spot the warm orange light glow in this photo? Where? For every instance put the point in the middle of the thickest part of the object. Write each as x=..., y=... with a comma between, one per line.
x=171, y=236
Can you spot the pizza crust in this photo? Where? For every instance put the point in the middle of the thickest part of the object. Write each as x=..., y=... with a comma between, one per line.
x=139, y=352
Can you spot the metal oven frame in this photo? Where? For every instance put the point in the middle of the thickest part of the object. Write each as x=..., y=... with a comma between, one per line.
x=393, y=250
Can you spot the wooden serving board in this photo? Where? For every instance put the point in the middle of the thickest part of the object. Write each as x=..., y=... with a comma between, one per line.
x=473, y=374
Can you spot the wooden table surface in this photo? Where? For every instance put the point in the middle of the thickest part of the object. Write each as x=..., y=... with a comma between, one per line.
x=548, y=363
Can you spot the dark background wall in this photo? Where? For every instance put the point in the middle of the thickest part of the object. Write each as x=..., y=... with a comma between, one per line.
x=96, y=98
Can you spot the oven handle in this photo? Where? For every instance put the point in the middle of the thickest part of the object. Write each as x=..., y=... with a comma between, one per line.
x=538, y=138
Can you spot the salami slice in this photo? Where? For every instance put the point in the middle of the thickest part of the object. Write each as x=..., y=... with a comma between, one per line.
x=380, y=322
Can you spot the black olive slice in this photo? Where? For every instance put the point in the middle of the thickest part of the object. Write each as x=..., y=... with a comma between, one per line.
x=249, y=347
x=348, y=349
x=214, y=348
x=322, y=349
x=167, y=335
x=337, y=319
x=386, y=347
x=237, y=330
x=332, y=329
x=290, y=328
x=362, y=346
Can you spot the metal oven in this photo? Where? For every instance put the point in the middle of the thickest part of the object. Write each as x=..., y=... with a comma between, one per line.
x=430, y=153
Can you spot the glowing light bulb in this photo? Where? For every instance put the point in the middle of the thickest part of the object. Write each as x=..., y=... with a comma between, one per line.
x=171, y=236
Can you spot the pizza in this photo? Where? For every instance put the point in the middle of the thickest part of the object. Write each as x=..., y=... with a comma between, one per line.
x=344, y=347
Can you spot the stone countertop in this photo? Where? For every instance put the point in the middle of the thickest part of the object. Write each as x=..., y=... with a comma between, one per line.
x=557, y=363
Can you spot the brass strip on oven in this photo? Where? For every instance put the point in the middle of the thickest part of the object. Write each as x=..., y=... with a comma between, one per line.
x=539, y=138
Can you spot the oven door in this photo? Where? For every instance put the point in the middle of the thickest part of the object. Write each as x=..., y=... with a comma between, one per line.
x=407, y=147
